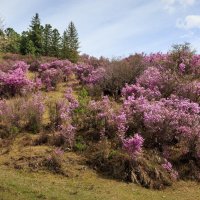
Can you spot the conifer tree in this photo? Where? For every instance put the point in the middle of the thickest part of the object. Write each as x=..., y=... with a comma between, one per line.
x=70, y=39
x=26, y=44
x=36, y=34
x=47, y=39
x=65, y=46
x=55, y=45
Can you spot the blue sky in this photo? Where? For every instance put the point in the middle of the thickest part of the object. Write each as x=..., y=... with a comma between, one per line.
x=113, y=28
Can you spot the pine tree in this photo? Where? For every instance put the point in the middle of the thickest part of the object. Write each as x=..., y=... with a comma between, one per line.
x=47, y=39
x=55, y=45
x=65, y=46
x=26, y=44
x=71, y=40
x=36, y=34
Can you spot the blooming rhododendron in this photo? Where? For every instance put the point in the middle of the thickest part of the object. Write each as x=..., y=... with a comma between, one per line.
x=182, y=67
x=133, y=145
x=168, y=167
x=15, y=81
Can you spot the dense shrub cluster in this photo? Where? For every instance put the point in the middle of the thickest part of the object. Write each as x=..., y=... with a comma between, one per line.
x=15, y=80
x=21, y=114
x=61, y=117
x=55, y=72
x=157, y=110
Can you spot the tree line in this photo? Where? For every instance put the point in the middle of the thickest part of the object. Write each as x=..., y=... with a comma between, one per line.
x=41, y=40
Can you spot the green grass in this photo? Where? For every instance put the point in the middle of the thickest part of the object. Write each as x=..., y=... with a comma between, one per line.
x=21, y=185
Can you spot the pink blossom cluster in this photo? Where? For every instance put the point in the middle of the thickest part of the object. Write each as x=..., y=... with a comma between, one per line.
x=137, y=90
x=168, y=167
x=88, y=74
x=102, y=115
x=54, y=72
x=164, y=119
x=190, y=90
x=121, y=121
x=65, y=109
x=15, y=81
x=133, y=145
x=151, y=78
x=155, y=58
x=187, y=62
x=23, y=113
x=20, y=64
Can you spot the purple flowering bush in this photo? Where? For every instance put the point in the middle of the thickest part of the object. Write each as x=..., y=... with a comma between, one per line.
x=133, y=145
x=15, y=81
x=61, y=117
x=88, y=74
x=190, y=90
x=140, y=114
x=168, y=167
x=33, y=112
x=55, y=72
x=21, y=114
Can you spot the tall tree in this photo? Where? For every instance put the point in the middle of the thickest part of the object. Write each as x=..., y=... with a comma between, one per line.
x=65, y=46
x=3, y=39
x=36, y=34
x=55, y=43
x=47, y=39
x=1, y=26
x=13, y=38
x=26, y=44
x=72, y=43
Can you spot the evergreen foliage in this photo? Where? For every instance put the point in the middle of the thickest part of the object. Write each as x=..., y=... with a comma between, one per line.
x=72, y=43
x=39, y=40
x=36, y=34
x=55, y=46
x=47, y=39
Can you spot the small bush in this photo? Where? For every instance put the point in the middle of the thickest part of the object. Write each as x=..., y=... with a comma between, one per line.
x=118, y=73
x=54, y=162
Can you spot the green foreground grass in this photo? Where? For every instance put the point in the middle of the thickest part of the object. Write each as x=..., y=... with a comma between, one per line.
x=21, y=185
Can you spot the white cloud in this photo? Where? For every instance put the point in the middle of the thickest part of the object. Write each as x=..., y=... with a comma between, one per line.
x=187, y=2
x=172, y=5
x=190, y=22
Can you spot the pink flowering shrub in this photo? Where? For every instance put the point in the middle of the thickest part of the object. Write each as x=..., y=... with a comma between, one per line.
x=11, y=117
x=15, y=81
x=88, y=74
x=151, y=78
x=21, y=114
x=22, y=65
x=55, y=72
x=190, y=90
x=160, y=80
x=101, y=117
x=133, y=145
x=168, y=167
x=122, y=127
x=61, y=116
x=33, y=112
x=137, y=90
x=163, y=120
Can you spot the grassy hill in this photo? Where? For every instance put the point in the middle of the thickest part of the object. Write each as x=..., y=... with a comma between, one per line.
x=22, y=179
x=40, y=163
